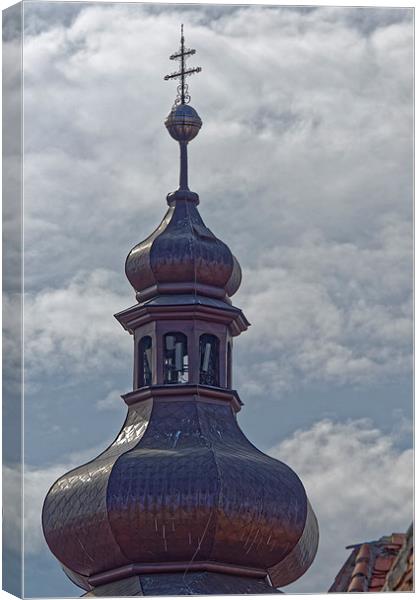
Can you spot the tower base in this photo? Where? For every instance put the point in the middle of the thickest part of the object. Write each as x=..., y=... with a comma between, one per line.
x=198, y=583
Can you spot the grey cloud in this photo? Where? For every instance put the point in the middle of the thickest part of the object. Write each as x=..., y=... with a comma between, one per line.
x=73, y=330
x=324, y=311
x=322, y=102
x=368, y=21
x=12, y=149
x=359, y=484
x=41, y=16
x=111, y=401
x=37, y=482
x=12, y=341
x=11, y=29
x=12, y=518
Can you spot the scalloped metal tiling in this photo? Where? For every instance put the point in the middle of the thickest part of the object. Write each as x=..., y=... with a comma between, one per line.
x=182, y=249
x=75, y=514
x=181, y=483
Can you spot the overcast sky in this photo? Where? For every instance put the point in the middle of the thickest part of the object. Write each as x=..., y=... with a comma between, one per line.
x=303, y=166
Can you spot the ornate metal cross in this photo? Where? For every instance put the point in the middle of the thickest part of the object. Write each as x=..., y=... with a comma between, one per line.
x=183, y=97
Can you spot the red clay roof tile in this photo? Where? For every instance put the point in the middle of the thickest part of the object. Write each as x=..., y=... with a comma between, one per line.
x=364, y=552
x=357, y=584
x=398, y=538
x=376, y=581
x=383, y=565
x=361, y=568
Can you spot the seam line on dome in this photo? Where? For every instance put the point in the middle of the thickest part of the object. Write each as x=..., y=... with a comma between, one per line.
x=212, y=511
x=112, y=468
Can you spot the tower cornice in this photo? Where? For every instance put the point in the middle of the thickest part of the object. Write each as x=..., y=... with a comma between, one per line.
x=185, y=392
x=175, y=567
x=185, y=308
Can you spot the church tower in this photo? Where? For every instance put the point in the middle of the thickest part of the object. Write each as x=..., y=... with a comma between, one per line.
x=181, y=503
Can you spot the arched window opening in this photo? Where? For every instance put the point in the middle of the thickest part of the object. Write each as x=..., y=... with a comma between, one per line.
x=209, y=360
x=229, y=365
x=145, y=361
x=176, y=358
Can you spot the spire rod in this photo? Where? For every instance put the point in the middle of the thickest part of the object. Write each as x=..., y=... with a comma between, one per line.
x=183, y=53
x=183, y=122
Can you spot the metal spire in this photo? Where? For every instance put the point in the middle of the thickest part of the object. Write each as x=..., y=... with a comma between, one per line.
x=182, y=96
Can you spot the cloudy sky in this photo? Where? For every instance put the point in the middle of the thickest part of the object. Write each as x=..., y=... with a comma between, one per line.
x=303, y=166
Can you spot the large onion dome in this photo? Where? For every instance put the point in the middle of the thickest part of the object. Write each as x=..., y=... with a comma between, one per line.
x=181, y=488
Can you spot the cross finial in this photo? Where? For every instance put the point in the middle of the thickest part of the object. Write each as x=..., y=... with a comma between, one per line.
x=182, y=96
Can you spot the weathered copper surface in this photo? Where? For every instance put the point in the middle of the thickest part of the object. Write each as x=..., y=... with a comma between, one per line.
x=174, y=567
x=180, y=484
x=182, y=251
x=75, y=515
x=185, y=392
x=183, y=307
x=203, y=583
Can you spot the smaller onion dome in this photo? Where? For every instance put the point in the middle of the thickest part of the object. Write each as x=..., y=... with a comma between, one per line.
x=183, y=123
x=181, y=256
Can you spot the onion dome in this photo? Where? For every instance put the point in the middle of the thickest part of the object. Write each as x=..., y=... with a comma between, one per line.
x=181, y=488
x=181, y=256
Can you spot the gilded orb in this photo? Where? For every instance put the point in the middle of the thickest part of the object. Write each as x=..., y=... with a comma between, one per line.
x=183, y=123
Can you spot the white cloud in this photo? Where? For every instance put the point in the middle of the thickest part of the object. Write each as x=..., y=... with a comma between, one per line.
x=72, y=329
x=36, y=483
x=12, y=340
x=112, y=401
x=12, y=507
x=360, y=485
x=34, y=486
x=338, y=313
